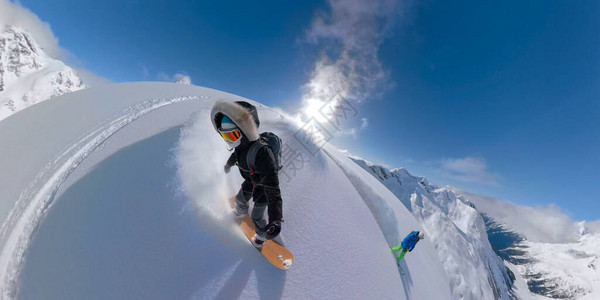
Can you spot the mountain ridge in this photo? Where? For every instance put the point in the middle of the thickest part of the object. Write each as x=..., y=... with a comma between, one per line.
x=504, y=247
x=28, y=75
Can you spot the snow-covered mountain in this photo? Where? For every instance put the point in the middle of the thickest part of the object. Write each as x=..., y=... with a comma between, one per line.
x=121, y=194
x=27, y=74
x=484, y=257
x=568, y=270
x=457, y=231
x=565, y=271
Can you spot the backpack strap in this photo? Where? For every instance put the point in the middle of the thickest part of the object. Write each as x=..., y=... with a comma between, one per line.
x=251, y=156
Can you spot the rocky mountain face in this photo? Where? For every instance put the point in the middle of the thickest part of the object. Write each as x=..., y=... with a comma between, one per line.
x=555, y=270
x=28, y=75
x=478, y=250
x=456, y=229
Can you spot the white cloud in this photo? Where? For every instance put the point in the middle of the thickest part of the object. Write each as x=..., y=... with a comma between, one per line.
x=364, y=123
x=349, y=35
x=182, y=78
x=538, y=223
x=14, y=14
x=177, y=77
x=468, y=169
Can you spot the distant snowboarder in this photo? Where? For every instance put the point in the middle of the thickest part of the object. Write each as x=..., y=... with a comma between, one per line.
x=408, y=243
x=257, y=157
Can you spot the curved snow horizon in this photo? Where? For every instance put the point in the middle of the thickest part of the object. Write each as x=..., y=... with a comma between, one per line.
x=339, y=220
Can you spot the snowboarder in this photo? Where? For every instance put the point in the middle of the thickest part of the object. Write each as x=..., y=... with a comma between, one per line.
x=408, y=243
x=254, y=154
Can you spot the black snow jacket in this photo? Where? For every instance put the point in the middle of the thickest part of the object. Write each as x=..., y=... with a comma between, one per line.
x=263, y=179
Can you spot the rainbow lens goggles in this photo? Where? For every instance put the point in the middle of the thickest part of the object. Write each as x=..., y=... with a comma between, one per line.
x=232, y=135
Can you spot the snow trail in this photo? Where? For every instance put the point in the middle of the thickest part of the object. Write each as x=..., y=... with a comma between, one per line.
x=33, y=203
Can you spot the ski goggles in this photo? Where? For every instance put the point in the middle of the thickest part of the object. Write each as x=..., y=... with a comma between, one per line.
x=231, y=135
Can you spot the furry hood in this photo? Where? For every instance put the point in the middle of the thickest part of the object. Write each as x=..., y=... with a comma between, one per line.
x=238, y=114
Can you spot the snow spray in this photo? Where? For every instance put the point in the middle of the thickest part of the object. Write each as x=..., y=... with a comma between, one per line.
x=201, y=156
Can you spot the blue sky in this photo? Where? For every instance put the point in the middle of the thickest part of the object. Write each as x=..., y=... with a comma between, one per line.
x=496, y=97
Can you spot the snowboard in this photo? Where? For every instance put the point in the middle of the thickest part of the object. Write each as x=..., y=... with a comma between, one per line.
x=278, y=255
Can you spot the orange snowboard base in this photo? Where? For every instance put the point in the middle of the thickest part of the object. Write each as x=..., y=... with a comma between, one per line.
x=275, y=253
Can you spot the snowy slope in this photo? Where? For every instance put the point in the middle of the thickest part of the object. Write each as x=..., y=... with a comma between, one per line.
x=455, y=228
x=27, y=74
x=121, y=194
